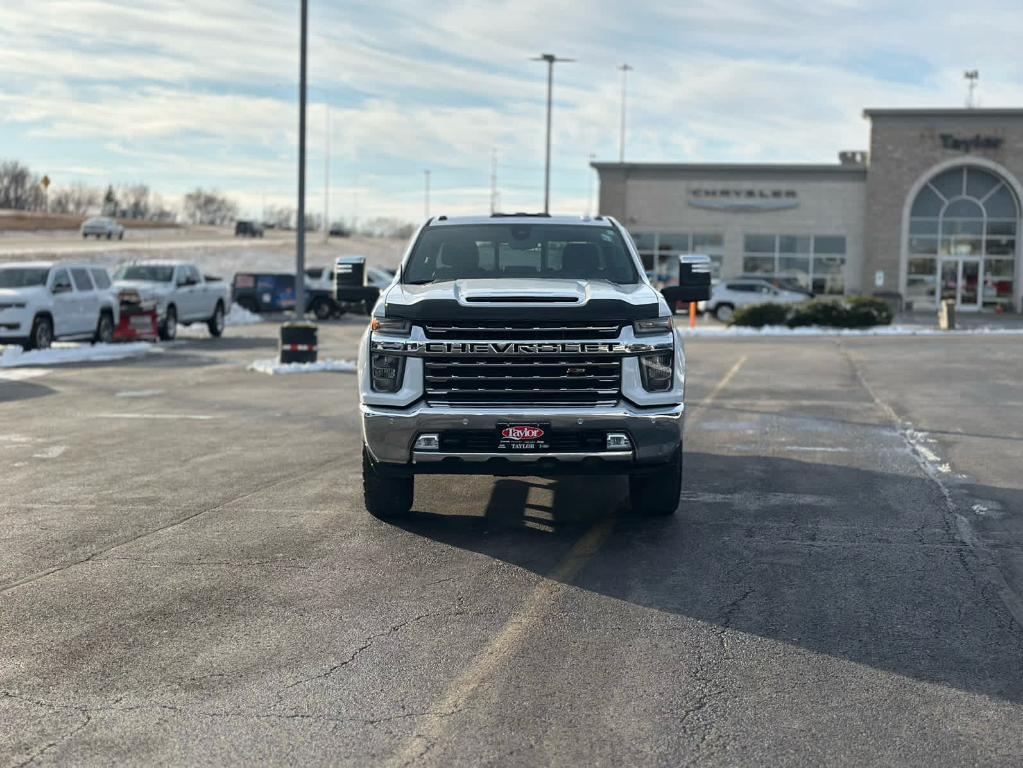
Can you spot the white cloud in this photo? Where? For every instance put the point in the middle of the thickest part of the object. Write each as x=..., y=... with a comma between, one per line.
x=183, y=93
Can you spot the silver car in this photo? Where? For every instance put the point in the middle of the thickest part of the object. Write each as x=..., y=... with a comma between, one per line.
x=102, y=226
x=729, y=295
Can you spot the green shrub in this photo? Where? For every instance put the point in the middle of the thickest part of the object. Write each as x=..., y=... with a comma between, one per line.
x=759, y=315
x=870, y=310
x=823, y=312
x=852, y=312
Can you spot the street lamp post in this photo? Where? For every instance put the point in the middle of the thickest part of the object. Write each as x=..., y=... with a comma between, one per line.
x=300, y=236
x=550, y=58
x=625, y=69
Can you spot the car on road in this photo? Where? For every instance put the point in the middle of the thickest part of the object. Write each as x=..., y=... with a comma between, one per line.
x=729, y=295
x=183, y=294
x=522, y=345
x=102, y=226
x=44, y=301
x=248, y=228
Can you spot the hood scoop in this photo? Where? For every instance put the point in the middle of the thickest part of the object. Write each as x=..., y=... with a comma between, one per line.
x=522, y=292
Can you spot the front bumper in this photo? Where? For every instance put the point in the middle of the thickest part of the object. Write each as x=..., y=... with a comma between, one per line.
x=390, y=434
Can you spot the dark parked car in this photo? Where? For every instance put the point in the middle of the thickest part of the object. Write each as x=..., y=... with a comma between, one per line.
x=339, y=230
x=248, y=228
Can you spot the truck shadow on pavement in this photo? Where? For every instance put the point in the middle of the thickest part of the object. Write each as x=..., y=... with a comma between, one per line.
x=855, y=564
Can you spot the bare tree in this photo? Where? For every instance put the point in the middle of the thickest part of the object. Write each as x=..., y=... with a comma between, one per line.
x=281, y=216
x=386, y=227
x=209, y=207
x=20, y=189
x=134, y=199
x=78, y=199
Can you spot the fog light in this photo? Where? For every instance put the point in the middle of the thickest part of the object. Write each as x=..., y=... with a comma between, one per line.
x=428, y=443
x=618, y=441
x=656, y=371
x=386, y=371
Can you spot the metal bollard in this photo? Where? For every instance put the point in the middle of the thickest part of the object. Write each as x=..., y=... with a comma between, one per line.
x=947, y=315
x=298, y=342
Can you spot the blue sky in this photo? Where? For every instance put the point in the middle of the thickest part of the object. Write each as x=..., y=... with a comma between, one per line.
x=181, y=93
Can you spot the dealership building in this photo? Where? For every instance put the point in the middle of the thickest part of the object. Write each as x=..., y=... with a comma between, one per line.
x=931, y=212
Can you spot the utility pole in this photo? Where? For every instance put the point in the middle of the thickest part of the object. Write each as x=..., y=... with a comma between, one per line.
x=426, y=193
x=625, y=69
x=589, y=195
x=972, y=76
x=326, y=181
x=300, y=237
x=493, y=181
x=550, y=58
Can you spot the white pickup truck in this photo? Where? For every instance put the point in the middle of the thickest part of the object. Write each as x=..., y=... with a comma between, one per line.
x=183, y=294
x=43, y=301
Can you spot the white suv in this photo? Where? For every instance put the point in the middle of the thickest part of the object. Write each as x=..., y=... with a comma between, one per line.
x=102, y=226
x=43, y=301
x=728, y=295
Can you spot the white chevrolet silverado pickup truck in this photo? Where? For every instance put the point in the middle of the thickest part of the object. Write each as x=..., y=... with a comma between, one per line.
x=183, y=294
x=522, y=345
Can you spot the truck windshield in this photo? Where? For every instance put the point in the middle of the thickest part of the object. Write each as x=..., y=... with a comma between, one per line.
x=23, y=277
x=532, y=251
x=150, y=273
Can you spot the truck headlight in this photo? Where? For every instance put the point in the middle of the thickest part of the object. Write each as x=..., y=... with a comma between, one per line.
x=652, y=325
x=395, y=326
x=656, y=371
x=387, y=371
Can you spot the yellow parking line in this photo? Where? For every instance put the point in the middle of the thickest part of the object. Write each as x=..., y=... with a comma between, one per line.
x=718, y=388
x=512, y=635
x=503, y=646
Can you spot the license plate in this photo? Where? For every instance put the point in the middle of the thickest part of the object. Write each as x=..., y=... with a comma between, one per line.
x=523, y=437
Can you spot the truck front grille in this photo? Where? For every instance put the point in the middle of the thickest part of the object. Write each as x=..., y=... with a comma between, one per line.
x=488, y=441
x=541, y=379
x=526, y=330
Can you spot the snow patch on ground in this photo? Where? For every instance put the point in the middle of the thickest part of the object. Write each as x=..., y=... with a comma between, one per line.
x=64, y=353
x=239, y=315
x=880, y=330
x=273, y=368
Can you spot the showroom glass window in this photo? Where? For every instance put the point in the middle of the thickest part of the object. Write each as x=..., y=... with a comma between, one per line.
x=963, y=214
x=660, y=251
x=813, y=262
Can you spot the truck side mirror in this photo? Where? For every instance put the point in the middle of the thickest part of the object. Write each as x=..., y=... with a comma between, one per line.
x=693, y=280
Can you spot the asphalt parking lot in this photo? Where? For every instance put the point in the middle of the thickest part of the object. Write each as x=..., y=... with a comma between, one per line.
x=189, y=576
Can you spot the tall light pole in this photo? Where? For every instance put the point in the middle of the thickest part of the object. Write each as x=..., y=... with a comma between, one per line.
x=493, y=180
x=426, y=193
x=550, y=58
x=300, y=237
x=625, y=69
x=972, y=76
x=326, y=180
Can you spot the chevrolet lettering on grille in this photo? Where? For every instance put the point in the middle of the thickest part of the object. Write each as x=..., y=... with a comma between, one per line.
x=516, y=348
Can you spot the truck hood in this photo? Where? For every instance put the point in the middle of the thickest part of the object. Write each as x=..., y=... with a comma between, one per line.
x=523, y=299
x=144, y=287
x=29, y=293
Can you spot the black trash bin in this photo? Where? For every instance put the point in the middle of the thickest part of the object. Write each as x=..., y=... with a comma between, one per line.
x=298, y=342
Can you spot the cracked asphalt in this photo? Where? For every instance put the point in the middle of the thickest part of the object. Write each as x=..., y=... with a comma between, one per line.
x=199, y=584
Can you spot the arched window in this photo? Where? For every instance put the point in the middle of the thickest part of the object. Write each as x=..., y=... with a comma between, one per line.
x=962, y=239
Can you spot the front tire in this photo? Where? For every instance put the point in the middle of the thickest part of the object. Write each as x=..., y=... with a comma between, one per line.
x=216, y=323
x=385, y=496
x=169, y=326
x=104, y=329
x=724, y=312
x=658, y=494
x=322, y=310
x=41, y=336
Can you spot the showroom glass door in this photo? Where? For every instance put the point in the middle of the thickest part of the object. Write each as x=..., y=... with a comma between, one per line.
x=959, y=279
